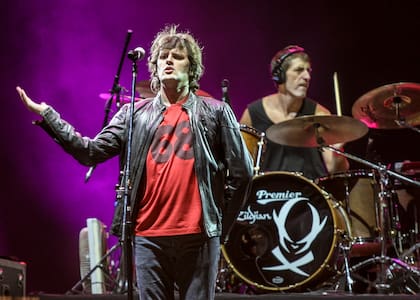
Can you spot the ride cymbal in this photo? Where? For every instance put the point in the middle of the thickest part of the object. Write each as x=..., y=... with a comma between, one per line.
x=311, y=131
x=385, y=106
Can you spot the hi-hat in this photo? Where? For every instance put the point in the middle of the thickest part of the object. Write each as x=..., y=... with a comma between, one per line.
x=385, y=106
x=123, y=98
x=313, y=131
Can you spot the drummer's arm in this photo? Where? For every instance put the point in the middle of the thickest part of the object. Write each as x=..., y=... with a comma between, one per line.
x=246, y=118
x=334, y=162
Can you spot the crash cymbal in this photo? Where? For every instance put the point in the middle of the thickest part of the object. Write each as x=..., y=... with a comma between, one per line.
x=304, y=131
x=144, y=90
x=382, y=107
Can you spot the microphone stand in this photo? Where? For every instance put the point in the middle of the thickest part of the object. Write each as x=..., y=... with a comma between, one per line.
x=126, y=234
x=121, y=277
x=115, y=91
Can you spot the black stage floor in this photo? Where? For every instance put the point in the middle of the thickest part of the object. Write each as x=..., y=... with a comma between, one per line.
x=271, y=296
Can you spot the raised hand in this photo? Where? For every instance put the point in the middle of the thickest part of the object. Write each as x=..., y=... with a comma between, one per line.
x=29, y=103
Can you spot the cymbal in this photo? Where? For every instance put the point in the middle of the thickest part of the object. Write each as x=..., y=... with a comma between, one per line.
x=144, y=90
x=304, y=131
x=123, y=98
x=382, y=107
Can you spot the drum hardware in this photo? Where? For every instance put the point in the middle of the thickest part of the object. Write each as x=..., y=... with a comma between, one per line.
x=381, y=284
x=345, y=247
x=390, y=106
x=389, y=274
x=406, y=255
x=255, y=142
x=222, y=277
x=323, y=131
x=357, y=192
x=123, y=98
x=261, y=144
x=408, y=207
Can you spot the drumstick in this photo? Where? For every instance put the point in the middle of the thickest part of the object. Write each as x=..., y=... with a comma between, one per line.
x=337, y=95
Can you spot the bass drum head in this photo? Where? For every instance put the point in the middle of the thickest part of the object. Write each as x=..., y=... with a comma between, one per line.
x=286, y=235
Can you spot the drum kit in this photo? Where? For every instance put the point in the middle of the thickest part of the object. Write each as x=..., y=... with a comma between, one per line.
x=341, y=232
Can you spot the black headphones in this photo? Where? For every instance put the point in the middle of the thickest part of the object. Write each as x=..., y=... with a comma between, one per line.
x=278, y=73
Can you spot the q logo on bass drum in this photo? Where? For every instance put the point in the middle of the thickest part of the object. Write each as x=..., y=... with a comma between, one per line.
x=286, y=236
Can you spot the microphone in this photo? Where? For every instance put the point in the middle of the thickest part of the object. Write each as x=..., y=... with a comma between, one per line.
x=225, y=87
x=136, y=54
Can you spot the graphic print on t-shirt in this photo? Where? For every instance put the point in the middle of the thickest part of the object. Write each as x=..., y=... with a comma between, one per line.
x=161, y=147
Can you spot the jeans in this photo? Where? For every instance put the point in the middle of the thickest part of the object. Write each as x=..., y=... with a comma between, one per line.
x=188, y=262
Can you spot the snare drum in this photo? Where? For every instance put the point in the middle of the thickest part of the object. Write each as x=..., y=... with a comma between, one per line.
x=255, y=142
x=286, y=237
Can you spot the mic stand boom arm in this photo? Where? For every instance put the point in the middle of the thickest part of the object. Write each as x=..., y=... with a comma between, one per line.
x=115, y=91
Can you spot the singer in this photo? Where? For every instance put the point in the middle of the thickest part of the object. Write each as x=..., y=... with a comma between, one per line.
x=190, y=169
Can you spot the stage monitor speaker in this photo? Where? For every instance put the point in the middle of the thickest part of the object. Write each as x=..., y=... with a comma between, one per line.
x=12, y=278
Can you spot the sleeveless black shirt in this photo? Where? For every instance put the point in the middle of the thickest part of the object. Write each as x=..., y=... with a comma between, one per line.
x=276, y=157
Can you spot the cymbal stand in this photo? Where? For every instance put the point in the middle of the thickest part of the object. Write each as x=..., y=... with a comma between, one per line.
x=384, y=226
x=115, y=91
x=371, y=165
x=401, y=121
x=385, y=272
x=344, y=247
x=261, y=144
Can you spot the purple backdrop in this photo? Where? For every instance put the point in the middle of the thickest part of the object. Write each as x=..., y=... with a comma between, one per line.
x=67, y=52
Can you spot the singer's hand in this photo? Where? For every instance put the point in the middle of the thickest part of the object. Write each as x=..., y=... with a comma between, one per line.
x=31, y=105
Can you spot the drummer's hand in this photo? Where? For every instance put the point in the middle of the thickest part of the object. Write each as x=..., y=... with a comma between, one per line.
x=31, y=105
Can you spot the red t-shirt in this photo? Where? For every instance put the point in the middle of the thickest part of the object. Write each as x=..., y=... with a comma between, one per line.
x=171, y=204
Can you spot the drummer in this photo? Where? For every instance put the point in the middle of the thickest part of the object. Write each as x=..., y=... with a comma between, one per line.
x=291, y=72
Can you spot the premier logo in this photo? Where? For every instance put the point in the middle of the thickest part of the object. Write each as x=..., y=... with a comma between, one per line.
x=265, y=197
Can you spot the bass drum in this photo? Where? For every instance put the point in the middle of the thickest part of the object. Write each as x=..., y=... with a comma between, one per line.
x=286, y=237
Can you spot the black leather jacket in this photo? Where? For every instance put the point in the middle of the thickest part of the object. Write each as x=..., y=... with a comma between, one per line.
x=217, y=143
